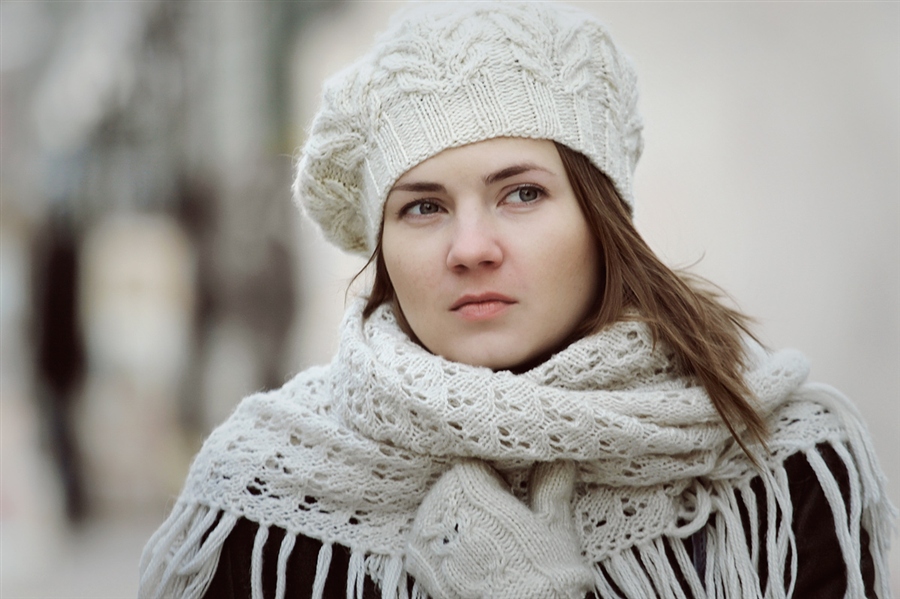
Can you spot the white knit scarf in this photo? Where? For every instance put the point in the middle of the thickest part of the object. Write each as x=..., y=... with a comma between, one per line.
x=345, y=453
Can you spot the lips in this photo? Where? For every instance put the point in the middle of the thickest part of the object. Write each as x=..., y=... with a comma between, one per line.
x=482, y=306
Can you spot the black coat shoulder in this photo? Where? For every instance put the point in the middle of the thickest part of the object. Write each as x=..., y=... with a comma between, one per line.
x=233, y=580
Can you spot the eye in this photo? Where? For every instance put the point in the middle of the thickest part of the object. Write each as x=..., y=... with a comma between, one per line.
x=525, y=194
x=420, y=208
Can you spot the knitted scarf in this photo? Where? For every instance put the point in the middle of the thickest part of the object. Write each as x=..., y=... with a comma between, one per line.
x=344, y=453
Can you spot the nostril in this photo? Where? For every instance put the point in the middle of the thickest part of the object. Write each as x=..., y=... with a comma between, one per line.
x=475, y=253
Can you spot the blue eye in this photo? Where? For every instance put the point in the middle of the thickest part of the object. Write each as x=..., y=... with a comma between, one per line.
x=525, y=194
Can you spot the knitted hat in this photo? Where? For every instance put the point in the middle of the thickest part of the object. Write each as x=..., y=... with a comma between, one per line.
x=449, y=74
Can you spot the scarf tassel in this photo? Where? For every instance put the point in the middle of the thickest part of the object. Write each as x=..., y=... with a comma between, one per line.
x=733, y=548
x=878, y=515
x=651, y=570
x=180, y=559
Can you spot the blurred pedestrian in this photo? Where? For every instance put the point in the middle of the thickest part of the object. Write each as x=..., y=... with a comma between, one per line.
x=59, y=349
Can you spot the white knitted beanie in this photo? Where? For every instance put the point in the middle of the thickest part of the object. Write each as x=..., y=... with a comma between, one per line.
x=449, y=74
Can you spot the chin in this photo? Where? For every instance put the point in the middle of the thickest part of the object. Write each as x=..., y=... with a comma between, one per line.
x=497, y=355
x=496, y=360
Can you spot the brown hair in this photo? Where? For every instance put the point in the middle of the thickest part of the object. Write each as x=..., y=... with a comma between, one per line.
x=683, y=311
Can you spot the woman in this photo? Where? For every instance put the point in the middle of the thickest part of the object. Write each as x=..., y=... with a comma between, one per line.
x=528, y=403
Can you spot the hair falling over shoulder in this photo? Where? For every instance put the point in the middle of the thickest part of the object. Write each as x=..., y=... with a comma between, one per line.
x=684, y=311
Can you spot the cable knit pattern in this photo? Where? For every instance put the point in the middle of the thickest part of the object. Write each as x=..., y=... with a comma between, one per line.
x=449, y=74
x=346, y=453
x=472, y=538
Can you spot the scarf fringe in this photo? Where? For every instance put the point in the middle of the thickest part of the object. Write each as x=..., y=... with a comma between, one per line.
x=323, y=565
x=181, y=558
x=663, y=567
x=868, y=486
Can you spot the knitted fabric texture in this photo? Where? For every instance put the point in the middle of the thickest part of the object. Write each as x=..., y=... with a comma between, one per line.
x=450, y=74
x=473, y=538
x=346, y=453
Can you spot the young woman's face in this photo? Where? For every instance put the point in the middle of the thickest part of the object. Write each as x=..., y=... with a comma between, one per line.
x=489, y=254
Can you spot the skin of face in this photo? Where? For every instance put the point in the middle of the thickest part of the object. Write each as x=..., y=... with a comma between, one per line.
x=489, y=254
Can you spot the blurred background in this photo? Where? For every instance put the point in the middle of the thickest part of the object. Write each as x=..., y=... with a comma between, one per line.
x=153, y=270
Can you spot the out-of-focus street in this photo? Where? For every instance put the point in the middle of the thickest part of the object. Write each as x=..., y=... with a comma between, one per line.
x=98, y=562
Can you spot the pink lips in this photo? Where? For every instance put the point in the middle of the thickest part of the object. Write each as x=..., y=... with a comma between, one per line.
x=481, y=307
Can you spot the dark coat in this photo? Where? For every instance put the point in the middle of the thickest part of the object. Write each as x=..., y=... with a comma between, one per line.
x=821, y=570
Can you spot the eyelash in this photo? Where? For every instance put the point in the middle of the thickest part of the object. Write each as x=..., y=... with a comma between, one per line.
x=529, y=186
x=408, y=208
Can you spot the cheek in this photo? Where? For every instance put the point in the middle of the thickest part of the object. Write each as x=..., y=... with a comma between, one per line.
x=407, y=267
x=576, y=267
x=588, y=262
x=567, y=254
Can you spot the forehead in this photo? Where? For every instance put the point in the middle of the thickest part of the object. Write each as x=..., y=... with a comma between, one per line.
x=483, y=157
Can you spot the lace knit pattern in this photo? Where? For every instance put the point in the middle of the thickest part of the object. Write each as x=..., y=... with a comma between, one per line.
x=448, y=74
x=366, y=437
x=346, y=452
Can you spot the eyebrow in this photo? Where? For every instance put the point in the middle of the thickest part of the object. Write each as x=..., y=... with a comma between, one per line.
x=489, y=179
x=512, y=171
x=420, y=187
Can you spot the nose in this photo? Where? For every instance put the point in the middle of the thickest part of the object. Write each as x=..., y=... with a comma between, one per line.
x=475, y=243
